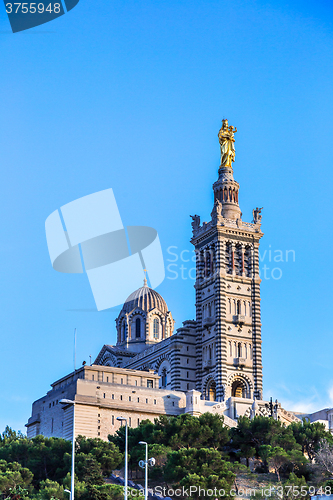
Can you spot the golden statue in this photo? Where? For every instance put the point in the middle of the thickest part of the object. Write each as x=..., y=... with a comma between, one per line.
x=226, y=139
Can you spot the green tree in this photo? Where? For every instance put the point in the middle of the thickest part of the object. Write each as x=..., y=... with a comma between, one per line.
x=250, y=436
x=45, y=457
x=88, y=469
x=14, y=476
x=51, y=489
x=264, y=453
x=106, y=454
x=203, y=462
x=298, y=484
x=278, y=457
x=308, y=436
x=10, y=435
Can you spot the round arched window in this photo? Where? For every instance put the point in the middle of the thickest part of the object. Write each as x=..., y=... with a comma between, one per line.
x=156, y=328
x=138, y=327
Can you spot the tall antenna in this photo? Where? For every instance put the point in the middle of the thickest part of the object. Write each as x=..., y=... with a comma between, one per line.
x=74, y=349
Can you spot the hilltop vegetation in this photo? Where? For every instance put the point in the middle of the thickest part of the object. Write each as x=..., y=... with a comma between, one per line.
x=189, y=451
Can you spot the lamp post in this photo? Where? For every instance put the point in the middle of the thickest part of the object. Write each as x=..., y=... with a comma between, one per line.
x=272, y=407
x=126, y=455
x=146, y=469
x=70, y=402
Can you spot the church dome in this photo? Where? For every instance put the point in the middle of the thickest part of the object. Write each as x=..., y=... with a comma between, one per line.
x=146, y=299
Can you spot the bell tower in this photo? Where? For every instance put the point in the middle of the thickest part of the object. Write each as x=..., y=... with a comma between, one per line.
x=228, y=338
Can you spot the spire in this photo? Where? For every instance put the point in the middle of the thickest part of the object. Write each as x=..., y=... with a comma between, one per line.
x=145, y=280
x=226, y=188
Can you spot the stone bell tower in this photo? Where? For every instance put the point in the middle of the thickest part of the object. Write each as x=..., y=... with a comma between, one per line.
x=227, y=288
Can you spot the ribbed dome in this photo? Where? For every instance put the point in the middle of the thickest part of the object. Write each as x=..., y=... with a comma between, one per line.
x=146, y=299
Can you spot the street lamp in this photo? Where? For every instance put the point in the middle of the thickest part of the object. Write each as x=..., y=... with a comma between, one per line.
x=272, y=407
x=70, y=402
x=126, y=455
x=146, y=469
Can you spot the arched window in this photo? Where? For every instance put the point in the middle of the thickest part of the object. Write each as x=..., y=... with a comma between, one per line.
x=156, y=328
x=138, y=327
x=238, y=389
x=211, y=391
x=164, y=378
x=239, y=350
x=238, y=307
x=208, y=263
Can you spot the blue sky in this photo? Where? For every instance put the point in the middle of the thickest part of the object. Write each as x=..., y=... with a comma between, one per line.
x=130, y=95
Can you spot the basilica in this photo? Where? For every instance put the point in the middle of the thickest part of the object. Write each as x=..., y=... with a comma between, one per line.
x=218, y=354
x=212, y=363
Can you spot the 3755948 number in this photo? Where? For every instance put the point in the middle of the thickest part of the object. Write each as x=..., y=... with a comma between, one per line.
x=32, y=8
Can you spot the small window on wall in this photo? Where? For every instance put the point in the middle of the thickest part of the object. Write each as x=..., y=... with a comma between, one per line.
x=112, y=419
x=93, y=377
x=156, y=328
x=150, y=384
x=164, y=379
x=138, y=327
x=130, y=421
